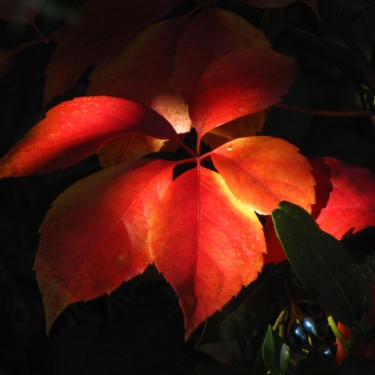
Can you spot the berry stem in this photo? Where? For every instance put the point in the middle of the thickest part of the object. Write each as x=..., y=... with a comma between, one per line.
x=337, y=333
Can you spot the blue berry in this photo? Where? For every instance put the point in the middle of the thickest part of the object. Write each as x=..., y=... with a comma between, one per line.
x=328, y=352
x=309, y=326
x=299, y=332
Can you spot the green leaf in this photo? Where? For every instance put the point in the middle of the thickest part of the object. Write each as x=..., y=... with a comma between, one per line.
x=275, y=352
x=322, y=264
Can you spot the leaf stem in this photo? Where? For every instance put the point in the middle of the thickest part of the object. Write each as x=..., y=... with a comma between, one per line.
x=279, y=319
x=323, y=112
x=185, y=147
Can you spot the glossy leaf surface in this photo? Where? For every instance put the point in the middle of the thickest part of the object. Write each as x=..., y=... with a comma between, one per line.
x=75, y=130
x=238, y=84
x=275, y=352
x=262, y=171
x=206, y=244
x=95, y=236
x=322, y=264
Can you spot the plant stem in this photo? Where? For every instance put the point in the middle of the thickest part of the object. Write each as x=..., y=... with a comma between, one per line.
x=323, y=112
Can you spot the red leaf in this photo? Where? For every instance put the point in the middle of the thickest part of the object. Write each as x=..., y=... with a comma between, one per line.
x=75, y=129
x=100, y=32
x=205, y=243
x=262, y=171
x=143, y=72
x=345, y=202
x=351, y=204
x=238, y=84
x=211, y=34
x=95, y=235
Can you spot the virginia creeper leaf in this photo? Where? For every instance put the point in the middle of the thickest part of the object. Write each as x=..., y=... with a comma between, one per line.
x=321, y=263
x=206, y=243
x=75, y=129
x=95, y=235
x=211, y=34
x=143, y=73
x=131, y=147
x=351, y=201
x=242, y=127
x=100, y=32
x=345, y=202
x=262, y=171
x=238, y=84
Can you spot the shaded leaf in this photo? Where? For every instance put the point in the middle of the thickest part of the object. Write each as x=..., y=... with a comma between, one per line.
x=238, y=84
x=84, y=41
x=95, y=235
x=212, y=33
x=275, y=352
x=205, y=243
x=262, y=171
x=132, y=147
x=143, y=72
x=76, y=129
x=322, y=264
x=350, y=205
x=344, y=202
x=242, y=127
x=275, y=251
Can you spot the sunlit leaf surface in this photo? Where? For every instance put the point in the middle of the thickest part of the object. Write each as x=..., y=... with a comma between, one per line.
x=206, y=243
x=95, y=236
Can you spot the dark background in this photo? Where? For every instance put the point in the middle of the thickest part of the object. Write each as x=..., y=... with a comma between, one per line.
x=139, y=327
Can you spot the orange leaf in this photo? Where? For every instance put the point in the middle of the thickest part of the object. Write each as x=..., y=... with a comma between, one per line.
x=262, y=171
x=100, y=32
x=95, y=235
x=75, y=129
x=206, y=243
x=143, y=72
x=238, y=84
x=211, y=33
